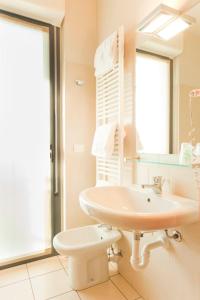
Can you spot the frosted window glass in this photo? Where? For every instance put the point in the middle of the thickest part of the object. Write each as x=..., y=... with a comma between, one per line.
x=24, y=140
x=152, y=104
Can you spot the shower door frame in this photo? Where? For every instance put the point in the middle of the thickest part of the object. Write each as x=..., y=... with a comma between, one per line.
x=55, y=138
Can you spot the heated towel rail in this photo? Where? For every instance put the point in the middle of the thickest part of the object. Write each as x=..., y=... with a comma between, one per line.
x=109, y=108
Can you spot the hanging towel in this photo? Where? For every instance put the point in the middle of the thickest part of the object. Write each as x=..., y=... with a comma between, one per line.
x=104, y=140
x=106, y=55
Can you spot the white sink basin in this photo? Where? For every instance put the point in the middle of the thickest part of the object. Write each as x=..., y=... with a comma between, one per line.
x=129, y=209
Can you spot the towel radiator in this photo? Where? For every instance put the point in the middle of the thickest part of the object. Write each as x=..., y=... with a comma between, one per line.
x=109, y=108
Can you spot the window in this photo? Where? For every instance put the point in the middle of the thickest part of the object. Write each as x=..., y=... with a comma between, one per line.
x=153, y=103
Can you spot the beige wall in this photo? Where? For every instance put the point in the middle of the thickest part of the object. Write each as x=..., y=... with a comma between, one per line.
x=172, y=274
x=189, y=62
x=79, y=43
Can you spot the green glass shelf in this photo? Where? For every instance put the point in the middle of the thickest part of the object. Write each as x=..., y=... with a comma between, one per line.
x=160, y=163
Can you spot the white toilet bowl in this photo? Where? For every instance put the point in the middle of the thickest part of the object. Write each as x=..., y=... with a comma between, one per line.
x=86, y=248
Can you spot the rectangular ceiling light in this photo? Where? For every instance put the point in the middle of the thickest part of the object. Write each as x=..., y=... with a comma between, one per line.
x=156, y=23
x=157, y=19
x=165, y=22
x=173, y=29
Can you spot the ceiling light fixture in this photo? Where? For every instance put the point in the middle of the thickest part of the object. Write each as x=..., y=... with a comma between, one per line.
x=165, y=22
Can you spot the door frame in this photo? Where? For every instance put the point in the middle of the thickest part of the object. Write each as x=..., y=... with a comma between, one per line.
x=55, y=137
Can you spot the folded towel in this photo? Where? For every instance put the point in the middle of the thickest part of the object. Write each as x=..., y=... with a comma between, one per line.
x=104, y=140
x=103, y=183
x=106, y=55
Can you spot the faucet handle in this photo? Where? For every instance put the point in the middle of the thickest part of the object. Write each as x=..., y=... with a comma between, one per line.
x=158, y=180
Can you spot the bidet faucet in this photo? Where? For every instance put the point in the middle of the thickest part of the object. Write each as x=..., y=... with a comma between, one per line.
x=106, y=226
x=156, y=186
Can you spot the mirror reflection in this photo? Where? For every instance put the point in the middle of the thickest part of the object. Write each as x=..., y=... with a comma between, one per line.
x=167, y=78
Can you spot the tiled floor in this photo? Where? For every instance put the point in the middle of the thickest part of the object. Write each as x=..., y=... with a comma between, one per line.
x=47, y=279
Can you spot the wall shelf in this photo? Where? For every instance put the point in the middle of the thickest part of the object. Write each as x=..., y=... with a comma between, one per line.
x=160, y=163
x=171, y=160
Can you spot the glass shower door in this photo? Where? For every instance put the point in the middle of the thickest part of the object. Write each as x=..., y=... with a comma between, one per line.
x=25, y=166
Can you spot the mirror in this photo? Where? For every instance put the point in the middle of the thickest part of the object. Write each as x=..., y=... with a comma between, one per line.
x=166, y=72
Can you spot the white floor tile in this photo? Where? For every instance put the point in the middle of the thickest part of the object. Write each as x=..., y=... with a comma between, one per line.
x=18, y=291
x=63, y=260
x=68, y=296
x=104, y=291
x=12, y=275
x=124, y=287
x=43, y=266
x=50, y=285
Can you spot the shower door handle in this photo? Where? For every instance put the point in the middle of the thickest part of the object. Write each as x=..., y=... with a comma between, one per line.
x=54, y=160
x=52, y=153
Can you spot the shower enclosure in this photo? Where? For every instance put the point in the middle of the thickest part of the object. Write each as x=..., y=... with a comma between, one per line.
x=28, y=198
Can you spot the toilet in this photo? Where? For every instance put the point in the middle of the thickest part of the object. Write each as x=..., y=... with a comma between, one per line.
x=86, y=248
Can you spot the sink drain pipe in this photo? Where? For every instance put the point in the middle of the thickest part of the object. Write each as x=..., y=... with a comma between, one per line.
x=139, y=260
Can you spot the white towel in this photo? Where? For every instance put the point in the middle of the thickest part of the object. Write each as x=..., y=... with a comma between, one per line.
x=104, y=140
x=104, y=183
x=106, y=55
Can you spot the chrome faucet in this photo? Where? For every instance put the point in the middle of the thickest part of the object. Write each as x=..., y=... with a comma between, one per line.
x=156, y=186
x=106, y=226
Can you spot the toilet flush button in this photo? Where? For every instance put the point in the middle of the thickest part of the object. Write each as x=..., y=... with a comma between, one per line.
x=79, y=148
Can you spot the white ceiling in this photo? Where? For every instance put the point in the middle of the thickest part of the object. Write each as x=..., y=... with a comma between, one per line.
x=195, y=13
x=50, y=11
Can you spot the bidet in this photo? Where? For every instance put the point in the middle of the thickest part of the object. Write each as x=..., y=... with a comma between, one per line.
x=86, y=248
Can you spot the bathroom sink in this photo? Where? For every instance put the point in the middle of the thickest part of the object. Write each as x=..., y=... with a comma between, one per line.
x=128, y=208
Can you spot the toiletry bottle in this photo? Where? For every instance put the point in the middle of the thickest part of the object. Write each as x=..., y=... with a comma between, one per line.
x=185, y=157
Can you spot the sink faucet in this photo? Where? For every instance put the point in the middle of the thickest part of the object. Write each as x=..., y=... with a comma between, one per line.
x=156, y=186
